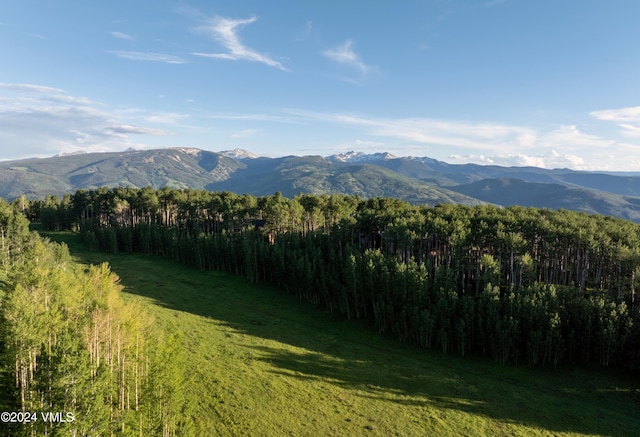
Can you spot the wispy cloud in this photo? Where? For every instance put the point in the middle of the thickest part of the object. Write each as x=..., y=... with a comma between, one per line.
x=432, y=131
x=306, y=33
x=225, y=31
x=44, y=93
x=493, y=3
x=487, y=142
x=121, y=35
x=570, y=137
x=148, y=56
x=632, y=130
x=631, y=114
x=165, y=118
x=42, y=121
x=138, y=130
x=272, y=118
x=30, y=87
x=345, y=55
x=551, y=159
x=565, y=146
x=626, y=118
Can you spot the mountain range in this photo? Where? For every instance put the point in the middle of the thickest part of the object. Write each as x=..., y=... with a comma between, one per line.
x=419, y=180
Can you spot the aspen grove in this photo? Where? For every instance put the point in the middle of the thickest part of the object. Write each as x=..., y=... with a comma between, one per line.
x=70, y=344
x=517, y=284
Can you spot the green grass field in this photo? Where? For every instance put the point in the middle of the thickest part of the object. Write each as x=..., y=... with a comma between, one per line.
x=262, y=363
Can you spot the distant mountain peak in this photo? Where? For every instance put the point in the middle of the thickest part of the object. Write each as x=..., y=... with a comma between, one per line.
x=361, y=157
x=238, y=154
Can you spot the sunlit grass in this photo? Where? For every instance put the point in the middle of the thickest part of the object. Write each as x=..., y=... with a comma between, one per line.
x=263, y=363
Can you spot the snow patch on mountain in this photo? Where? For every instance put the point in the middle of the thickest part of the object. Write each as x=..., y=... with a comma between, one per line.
x=238, y=154
x=361, y=157
x=188, y=150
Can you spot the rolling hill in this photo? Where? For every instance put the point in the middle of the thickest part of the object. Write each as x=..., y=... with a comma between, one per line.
x=418, y=180
x=508, y=192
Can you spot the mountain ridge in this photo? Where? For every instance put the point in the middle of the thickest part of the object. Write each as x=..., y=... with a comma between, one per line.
x=420, y=180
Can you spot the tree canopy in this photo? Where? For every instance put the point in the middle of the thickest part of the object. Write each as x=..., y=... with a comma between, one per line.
x=69, y=343
x=518, y=284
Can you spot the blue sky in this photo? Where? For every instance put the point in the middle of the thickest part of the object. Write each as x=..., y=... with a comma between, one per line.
x=549, y=83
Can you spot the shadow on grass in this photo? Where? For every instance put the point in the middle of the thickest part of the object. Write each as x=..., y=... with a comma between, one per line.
x=351, y=355
x=553, y=401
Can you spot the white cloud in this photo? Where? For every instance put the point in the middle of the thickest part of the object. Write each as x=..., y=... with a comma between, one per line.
x=626, y=118
x=225, y=31
x=38, y=120
x=138, y=130
x=254, y=117
x=19, y=95
x=488, y=143
x=345, y=55
x=570, y=137
x=433, y=132
x=549, y=160
x=148, y=56
x=121, y=35
x=631, y=114
x=630, y=129
x=29, y=87
x=41, y=121
x=165, y=118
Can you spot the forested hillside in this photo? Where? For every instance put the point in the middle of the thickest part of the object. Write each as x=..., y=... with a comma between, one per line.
x=516, y=284
x=421, y=181
x=70, y=345
x=511, y=192
x=198, y=169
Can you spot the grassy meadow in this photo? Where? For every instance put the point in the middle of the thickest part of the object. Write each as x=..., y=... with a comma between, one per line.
x=262, y=363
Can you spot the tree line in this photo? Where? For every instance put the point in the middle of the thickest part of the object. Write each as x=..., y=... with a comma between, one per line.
x=517, y=284
x=70, y=344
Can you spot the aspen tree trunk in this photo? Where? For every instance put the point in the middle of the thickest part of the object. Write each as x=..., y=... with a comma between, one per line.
x=121, y=376
x=19, y=380
x=619, y=294
x=109, y=360
x=136, y=371
x=96, y=346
